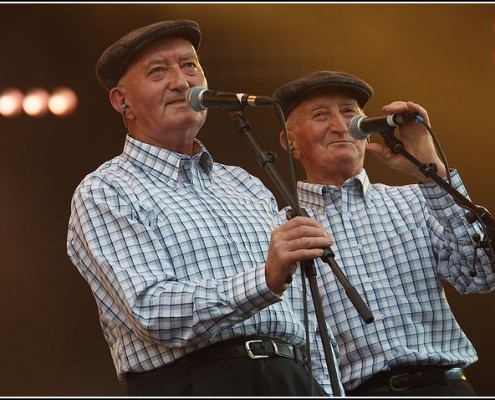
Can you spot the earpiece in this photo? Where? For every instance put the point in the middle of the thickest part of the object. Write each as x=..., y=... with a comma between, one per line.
x=124, y=107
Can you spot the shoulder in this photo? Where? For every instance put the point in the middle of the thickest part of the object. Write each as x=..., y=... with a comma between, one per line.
x=396, y=191
x=113, y=174
x=238, y=176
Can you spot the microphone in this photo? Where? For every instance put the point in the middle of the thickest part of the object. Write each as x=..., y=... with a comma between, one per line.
x=200, y=98
x=362, y=127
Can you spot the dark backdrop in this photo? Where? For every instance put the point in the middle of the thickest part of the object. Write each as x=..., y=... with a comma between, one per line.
x=437, y=55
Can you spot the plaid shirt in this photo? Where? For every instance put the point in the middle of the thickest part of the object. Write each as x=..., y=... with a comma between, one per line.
x=173, y=248
x=395, y=244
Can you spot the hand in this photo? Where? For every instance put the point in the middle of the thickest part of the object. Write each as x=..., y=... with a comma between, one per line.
x=416, y=139
x=300, y=238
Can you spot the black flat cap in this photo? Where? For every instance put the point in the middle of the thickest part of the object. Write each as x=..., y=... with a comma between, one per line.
x=115, y=59
x=292, y=93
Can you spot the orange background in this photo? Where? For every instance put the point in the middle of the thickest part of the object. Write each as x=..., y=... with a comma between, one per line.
x=439, y=55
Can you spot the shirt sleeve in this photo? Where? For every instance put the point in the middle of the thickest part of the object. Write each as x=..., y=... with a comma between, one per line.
x=131, y=276
x=452, y=238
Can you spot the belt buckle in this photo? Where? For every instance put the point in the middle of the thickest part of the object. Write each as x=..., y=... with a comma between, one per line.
x=398, y=377
x=250, y=352
x=455, y=373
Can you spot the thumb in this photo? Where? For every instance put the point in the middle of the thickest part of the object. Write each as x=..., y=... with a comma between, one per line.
x=379, y=151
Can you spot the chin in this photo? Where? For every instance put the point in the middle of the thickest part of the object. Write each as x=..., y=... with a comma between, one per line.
x=188, y=120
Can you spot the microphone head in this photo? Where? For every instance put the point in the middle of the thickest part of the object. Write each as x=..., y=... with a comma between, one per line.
x=193, y=98
x=355, y=130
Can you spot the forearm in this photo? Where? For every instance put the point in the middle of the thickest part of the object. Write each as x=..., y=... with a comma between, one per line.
x=454, y=240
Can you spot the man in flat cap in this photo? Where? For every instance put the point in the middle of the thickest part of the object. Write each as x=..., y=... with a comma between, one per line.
x=187, y=258
x=395, y=244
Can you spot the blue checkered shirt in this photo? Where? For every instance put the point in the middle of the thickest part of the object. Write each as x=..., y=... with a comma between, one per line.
x=173, y=248
x=395, y=245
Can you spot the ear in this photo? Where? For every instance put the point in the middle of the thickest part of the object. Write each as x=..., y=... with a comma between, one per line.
x=282, y=141
x=117, y=99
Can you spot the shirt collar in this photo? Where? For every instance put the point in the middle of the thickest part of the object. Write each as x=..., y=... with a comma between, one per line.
x=164, y=163
x=313, y=193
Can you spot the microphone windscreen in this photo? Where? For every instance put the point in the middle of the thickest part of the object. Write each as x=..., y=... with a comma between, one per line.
x=193, y=98
x=356, y=132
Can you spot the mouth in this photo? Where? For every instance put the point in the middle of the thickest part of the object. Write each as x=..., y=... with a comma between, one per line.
x=175, y=102
x=341, y=142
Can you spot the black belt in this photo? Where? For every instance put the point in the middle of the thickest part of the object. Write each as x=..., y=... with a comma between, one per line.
x=250, y=347
x=399, y=380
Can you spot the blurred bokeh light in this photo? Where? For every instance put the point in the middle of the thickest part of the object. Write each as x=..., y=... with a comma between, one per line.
x=11, y=102
x=35, y=103
x=62, y=102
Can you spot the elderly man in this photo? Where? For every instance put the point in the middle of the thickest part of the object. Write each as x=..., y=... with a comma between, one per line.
x=187, y=258
x=395, y=244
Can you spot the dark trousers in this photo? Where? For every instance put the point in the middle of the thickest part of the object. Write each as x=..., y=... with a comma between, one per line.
x=274, y=376
x=423, y=382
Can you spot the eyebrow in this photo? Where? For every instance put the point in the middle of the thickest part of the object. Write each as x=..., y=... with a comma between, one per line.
x=161, y=60
x=340, y=103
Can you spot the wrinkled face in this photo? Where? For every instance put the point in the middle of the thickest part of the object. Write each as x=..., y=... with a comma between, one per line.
x=154, y=87
x=319, y=132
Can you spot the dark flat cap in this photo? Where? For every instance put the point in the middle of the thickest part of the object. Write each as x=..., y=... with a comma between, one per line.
x=292, y=93
x=116, y=58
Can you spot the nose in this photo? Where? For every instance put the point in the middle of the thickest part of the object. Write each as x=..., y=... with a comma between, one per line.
x=178, y=79
x=338, y=123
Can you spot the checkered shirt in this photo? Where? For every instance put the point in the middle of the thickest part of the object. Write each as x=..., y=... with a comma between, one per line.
x=395, y=245
x=173, y=248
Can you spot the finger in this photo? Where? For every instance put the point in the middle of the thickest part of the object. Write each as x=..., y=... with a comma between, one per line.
x=306, y=254
x=395, y=107
x=419, y=109
x=307, y=243
x=303, y=232
x=299, y=221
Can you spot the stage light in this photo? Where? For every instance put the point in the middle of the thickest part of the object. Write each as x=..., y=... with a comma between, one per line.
x=35, y=103
x=62, y=102
x=11, y=102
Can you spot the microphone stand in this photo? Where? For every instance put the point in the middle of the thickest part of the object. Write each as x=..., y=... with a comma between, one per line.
x=478, y=213
x=266, y=160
